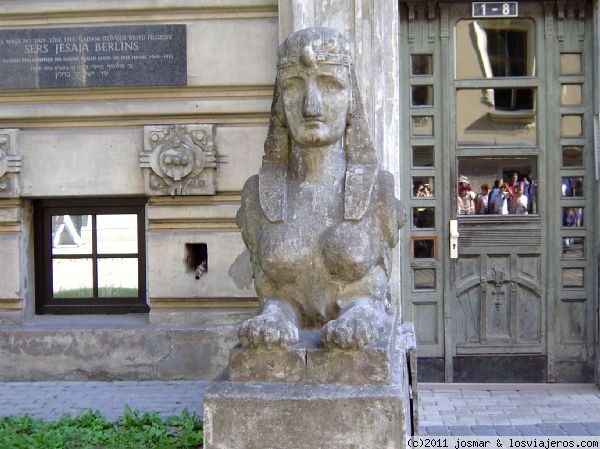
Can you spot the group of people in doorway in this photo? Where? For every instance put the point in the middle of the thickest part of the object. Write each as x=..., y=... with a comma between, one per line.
x=513, y=196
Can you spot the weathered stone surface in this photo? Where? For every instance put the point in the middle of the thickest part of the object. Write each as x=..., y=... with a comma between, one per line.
x=308, y=362
x=278, y=416
x=108, y=349
x=275, y=415
x=272, y=365
x=320, y=220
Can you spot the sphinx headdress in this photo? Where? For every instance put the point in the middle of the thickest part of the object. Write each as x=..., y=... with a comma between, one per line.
x=326, y=46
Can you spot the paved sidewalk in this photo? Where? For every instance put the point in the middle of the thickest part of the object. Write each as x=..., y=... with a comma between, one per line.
x=509, y=409
x=445, y=409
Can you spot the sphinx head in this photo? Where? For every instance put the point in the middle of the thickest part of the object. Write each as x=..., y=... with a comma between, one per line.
x=314, y=84
x=316, y=103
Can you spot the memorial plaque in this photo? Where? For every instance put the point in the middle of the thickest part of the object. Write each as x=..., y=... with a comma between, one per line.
x=104, y=56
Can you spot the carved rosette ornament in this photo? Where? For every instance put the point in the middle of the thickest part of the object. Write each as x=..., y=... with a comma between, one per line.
x=10, y=163
x=179, y=159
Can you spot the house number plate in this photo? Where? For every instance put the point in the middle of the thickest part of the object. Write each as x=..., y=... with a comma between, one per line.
x=495, y=9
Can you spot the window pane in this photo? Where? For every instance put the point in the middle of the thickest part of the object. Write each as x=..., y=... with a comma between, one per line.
x=495, y=48
x=498, y=186
x=71, y=234
x=423, y=186
x=570, y=94
x=117, y=277
x=421, y=64
x=573, y=248
x=424, y=217
x=573, y=217
x=570, y=64
x=422, y=125
x=424, y=248
x=422, y=95
x=496, y=116
x=424, y=279
x=423, y=156
x=572, y=277
x=572, y=125
x=572, y=187
x=117, y=234
x=572, y=156
x=72, y=278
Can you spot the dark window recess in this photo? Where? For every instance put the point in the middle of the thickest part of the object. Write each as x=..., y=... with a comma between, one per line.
x=197, y=258
x=90, y=256
x=507, y=50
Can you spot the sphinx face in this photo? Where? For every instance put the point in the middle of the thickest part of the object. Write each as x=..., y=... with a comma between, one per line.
x=316, y=100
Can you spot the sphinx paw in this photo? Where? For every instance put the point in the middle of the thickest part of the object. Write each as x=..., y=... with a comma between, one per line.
x=271, y=328
x=357, y=327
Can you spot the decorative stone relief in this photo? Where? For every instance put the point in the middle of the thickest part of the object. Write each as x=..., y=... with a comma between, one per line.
x=10, y=163
x=179, y=159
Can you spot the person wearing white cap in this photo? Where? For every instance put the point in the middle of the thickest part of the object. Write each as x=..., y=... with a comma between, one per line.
x=466, y=197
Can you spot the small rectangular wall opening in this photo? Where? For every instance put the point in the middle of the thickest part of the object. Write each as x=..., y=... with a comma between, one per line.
x=196, y=256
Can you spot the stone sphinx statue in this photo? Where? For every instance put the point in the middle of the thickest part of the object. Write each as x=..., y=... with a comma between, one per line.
x=320, y=219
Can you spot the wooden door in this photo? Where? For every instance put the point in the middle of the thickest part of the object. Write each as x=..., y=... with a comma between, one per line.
x=490, y=99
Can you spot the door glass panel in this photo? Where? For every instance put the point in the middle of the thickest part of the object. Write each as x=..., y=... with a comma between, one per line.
x=423, y=217
x=71, y=234
x=421, y=64
x=570, y=64
x=424, y=279
x=117, y=234
x=572, y=156
x=495, y=48
x=422, y=95
x=572, y=277
x=72, y=278
x=422, y=125
x=424, y=248
x=496, y=116
x=572, y=125
x=423, y=156
x=573, y=217
x=423, y=186
x=572, y=186
x=573, y=248
x=570, y=94
x=500, y=186
x=117, y=277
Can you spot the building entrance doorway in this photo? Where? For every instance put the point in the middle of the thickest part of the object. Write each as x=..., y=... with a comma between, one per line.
x=502, y=274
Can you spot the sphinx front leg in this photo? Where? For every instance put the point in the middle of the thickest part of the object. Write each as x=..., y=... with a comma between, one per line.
x=276, y=325
x=358, y=325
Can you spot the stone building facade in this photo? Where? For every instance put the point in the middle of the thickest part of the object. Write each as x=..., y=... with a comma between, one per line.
x=119, y=253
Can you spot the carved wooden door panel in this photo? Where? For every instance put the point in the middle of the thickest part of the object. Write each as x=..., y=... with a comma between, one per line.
x=499, y=290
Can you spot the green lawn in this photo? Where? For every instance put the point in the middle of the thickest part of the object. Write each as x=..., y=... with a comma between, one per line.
x=91, y=430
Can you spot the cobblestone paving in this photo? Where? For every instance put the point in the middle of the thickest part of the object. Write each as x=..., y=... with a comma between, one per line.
x=444, y=409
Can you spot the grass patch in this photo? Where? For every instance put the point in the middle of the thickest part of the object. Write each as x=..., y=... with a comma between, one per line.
x=103, y=292
x=91, y=430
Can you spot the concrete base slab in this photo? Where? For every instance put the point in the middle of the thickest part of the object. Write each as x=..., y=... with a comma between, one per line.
x=246, y=415
x=303, y=414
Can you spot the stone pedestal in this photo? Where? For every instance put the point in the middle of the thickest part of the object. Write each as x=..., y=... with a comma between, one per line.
x=294, y=407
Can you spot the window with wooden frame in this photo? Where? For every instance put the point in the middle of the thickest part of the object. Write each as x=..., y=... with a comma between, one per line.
x=90, y=256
